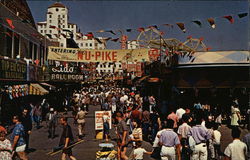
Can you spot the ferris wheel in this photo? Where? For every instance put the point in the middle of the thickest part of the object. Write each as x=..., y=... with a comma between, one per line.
x=153, y=38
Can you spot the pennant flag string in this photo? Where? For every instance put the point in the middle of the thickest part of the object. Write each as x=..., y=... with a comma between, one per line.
x=90, y=35
x=180, y=25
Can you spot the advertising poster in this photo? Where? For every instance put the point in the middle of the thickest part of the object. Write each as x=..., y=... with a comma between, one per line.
x=99, y=120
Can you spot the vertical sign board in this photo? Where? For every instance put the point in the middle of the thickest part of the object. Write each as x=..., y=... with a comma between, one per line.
x=99, y=120
x=124, y=42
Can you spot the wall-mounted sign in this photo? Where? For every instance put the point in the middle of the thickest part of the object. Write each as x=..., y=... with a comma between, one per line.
x=12, y=69
x=83, y=55
x=62, y=69
x=66, y=77
x=65, y=72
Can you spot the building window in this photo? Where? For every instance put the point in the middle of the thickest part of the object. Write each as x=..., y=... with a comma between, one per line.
x=61, y=44
x=41, y=31
x=90, y=44
x=63, y=16
x=63, y=21
x=45, y=31
x=58, y=16
x=82, y=44
x=50, y=31
x=63, y=26
x=86, y=44
x=59, y=21
x=57, y=9
x=50, y=16
x=50, y=21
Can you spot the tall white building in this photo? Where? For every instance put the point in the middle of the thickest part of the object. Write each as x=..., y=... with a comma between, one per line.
x=58, y=28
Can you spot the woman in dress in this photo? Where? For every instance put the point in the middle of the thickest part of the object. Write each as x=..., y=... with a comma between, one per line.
x=5, y=147
x=235, y=117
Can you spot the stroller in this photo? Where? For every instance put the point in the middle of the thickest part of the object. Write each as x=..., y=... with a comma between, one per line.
x=106, y=152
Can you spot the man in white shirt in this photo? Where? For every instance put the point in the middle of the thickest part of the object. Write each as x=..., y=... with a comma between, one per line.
x=236, y=150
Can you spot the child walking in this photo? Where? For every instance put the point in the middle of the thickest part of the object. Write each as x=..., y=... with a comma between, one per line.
x=139, y=151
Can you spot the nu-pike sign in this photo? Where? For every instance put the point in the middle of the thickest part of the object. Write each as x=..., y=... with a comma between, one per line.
x=82, y=55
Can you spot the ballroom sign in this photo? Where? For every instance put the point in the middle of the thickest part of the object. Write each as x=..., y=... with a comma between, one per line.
x=65, y=73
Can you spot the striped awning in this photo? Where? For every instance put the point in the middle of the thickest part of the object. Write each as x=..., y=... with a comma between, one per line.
x=36, y=89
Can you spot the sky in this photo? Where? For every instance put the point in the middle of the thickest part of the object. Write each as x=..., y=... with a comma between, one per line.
x=91, y=16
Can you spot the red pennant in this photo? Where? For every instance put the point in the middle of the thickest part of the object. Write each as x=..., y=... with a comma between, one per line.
x=141, y=29
x=189, y=37
x=89, y=35
x=230, y=18
x=209, y=48
x=10, y=23
x=37, y=62
x=202, y=38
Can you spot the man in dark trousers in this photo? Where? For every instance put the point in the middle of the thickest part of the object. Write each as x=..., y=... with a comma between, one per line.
x=66, y=139
x=51, y=119
x=27, y=124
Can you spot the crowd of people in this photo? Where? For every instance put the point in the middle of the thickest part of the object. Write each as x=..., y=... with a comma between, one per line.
x=186, y=133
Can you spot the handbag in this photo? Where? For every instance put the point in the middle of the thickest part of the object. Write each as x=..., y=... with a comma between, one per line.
x=156, y=153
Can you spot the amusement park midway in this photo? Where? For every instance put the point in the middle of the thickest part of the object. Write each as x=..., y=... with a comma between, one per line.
x=124, y=80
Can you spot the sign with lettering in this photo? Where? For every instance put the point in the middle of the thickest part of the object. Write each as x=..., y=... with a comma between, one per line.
x=65, y=72
x=10, y=69
x=66, y=77
x=82, y=55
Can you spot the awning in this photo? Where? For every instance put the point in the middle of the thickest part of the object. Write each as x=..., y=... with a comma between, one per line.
x=36, y=89
x=49, y=85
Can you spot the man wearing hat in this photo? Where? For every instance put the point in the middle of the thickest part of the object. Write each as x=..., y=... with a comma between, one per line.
x=51, y=119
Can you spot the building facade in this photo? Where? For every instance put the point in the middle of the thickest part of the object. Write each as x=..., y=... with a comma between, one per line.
x=23, y=58
x=59, y=29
